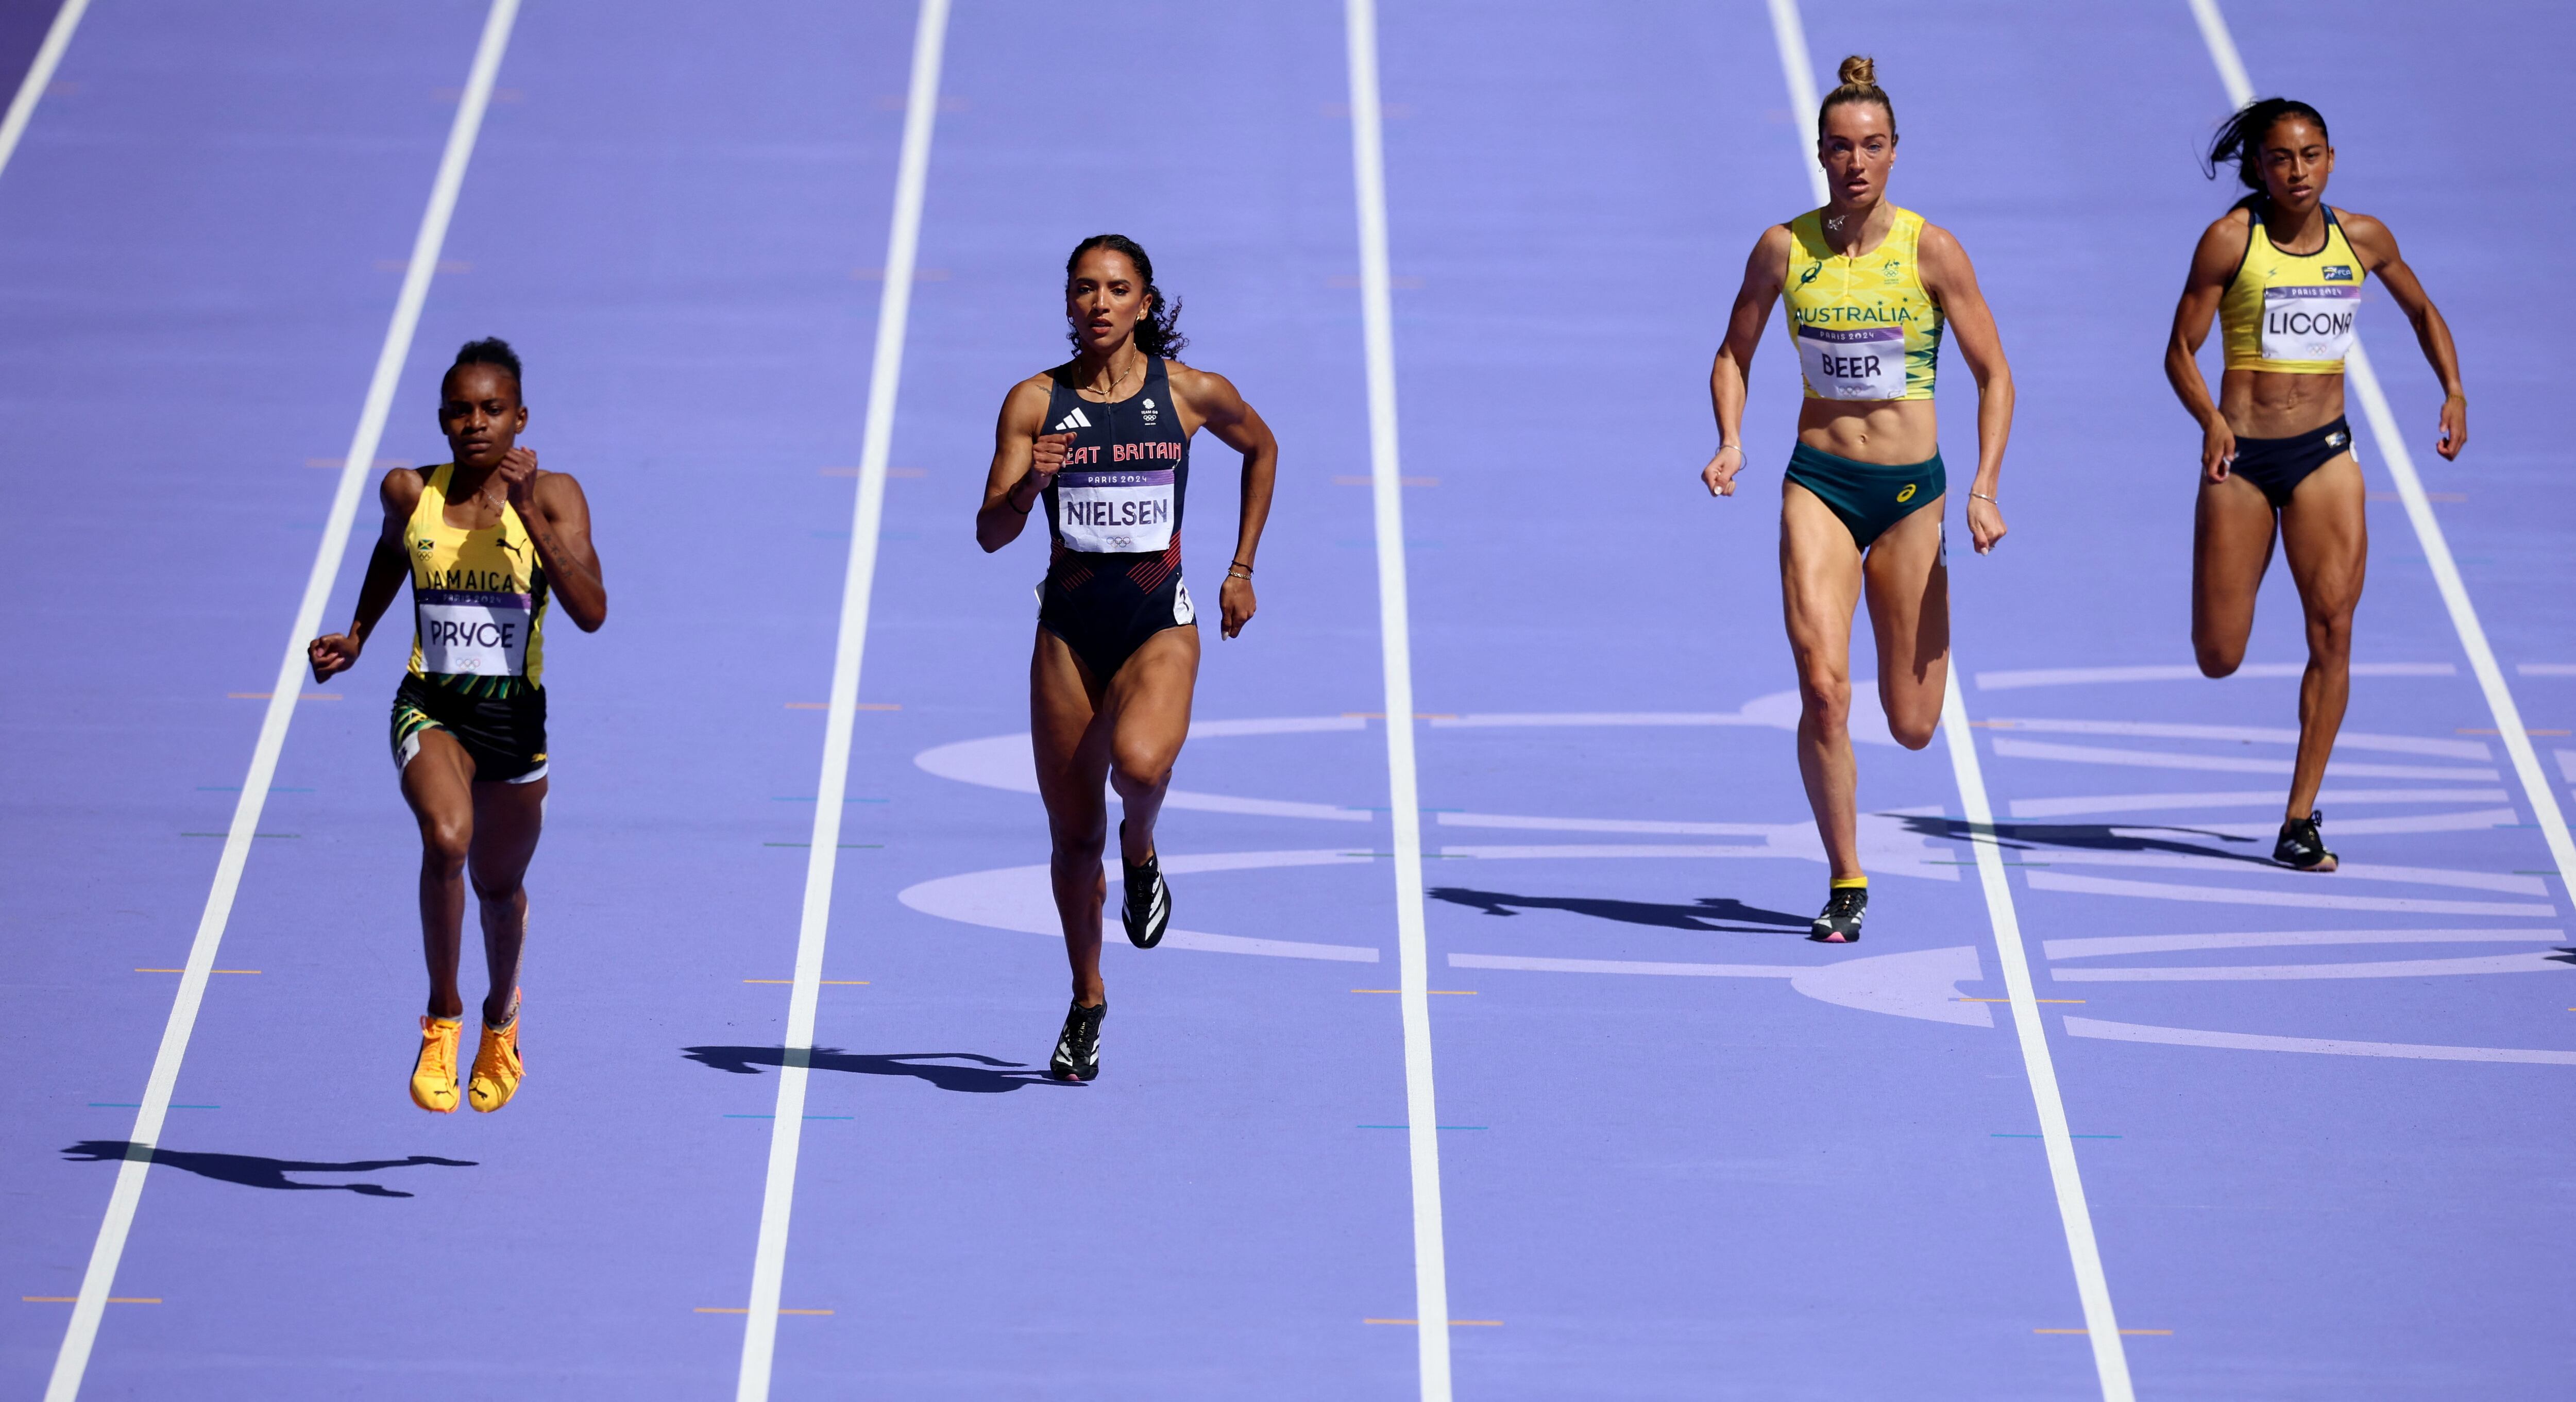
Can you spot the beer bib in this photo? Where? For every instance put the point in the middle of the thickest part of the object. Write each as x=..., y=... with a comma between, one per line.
x=1863, y=364
x=2308, y=323
x=473, y=634
x=1115, y=512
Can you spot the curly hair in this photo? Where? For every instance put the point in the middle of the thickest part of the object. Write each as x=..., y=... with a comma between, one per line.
x=1158, y=331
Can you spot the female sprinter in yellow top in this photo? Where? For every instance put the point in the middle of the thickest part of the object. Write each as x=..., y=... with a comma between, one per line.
x=1871, y=288
x=487, y=541
x=2283, y=272
x=1104, y=441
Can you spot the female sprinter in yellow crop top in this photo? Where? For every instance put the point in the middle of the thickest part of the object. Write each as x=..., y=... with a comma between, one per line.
x=2283, y=273
x=1870, y=289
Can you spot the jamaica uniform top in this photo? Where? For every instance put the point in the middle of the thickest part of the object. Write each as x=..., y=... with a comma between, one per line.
x=1126, y=474
x=478, y=599
x=2290, y=313
x=1863, y=325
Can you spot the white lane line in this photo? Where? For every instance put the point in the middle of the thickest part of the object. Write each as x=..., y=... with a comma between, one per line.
x=40, y=76
x=1790, y=33
x=78, y=1337
x=2184, y=671
x=1368, y=169
x=2419, y=512
x=778, y=1195
x=2093, y=1288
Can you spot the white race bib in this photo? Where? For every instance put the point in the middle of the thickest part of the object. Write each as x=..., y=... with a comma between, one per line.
x=1867, y=364
x=2308, y=323
x=1115, y=512
x=472, y=634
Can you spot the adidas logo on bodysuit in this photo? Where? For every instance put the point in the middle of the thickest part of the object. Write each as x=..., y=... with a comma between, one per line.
x=1072, y=421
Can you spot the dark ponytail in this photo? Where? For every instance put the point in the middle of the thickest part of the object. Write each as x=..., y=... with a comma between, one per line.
x=1158, y=331
x=2240, y=138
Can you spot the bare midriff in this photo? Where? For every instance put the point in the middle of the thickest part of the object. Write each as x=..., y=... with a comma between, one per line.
x=2267, y=404
x=1891, y=432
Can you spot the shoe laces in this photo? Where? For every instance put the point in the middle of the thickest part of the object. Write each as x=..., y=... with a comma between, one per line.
x=1845, y=901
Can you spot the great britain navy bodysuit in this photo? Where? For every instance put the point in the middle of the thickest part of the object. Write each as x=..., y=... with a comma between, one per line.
x=1114, y=579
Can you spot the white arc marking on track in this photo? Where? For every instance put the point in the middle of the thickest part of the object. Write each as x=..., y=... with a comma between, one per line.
x=40, y=76
x=1368, y=176
x=73, y=1360
x=2092, y=1286
x=2419, y=512
x=885, y=371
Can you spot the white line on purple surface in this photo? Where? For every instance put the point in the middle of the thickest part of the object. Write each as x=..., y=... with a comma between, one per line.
x=894, y=304
x=72, y=1361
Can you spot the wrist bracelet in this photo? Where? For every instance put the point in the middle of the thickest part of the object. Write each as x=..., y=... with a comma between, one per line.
x=1984, y=498
x=1247, y=569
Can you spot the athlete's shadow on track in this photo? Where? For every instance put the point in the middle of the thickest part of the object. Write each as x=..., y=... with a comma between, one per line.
x=988, y=1076
x=2094, y=837
x=1708, y=913
x=253, y=1171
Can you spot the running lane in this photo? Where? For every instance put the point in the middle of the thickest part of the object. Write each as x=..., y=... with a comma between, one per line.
x=665, y=215
x=2306, y=1224
x=190, y=237
x=1210, y=1217
x=1707, y=1155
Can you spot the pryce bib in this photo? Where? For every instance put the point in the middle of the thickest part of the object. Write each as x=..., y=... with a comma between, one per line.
x=470, y=633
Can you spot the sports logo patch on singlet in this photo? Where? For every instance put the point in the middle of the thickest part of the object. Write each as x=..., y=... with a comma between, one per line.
x=1864, y=364
x=2309, y=323
x=469, y=633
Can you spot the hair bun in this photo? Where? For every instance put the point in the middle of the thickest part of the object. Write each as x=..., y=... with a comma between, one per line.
x=1859, y=71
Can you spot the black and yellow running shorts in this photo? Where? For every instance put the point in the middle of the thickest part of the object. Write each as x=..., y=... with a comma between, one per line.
x=505, y=736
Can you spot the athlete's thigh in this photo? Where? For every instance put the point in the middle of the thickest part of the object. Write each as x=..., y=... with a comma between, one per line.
x=438, y=783
x=1149, y=700
x=1909, y=612
x=508, y=819
x=1070, y=744
x=2325, y=536
x=2231, y=546
x=1820, y=581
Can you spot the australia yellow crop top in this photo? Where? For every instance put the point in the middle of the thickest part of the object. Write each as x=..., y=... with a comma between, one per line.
x=1864, y=326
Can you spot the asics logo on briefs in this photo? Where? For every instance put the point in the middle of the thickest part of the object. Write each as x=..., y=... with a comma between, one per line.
x=1908, y=493
x=1074, y=420
x=2334, y=440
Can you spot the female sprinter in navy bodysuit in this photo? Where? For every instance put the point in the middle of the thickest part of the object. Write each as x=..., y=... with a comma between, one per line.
x=1104, y=441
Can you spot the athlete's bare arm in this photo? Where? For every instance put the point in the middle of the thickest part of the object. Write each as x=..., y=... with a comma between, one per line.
x=1025, y=463
x=387, y=569
x=2378, y=249
x=1214, y=401
x=1952, y=282
x=2213, y=266
x=1763, y=274
x=557, y=517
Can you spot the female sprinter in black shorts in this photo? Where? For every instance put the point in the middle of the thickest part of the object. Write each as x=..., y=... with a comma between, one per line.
x=1870, y=288
x=2283, y=272
x=487, y=541
x=1104, y=441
